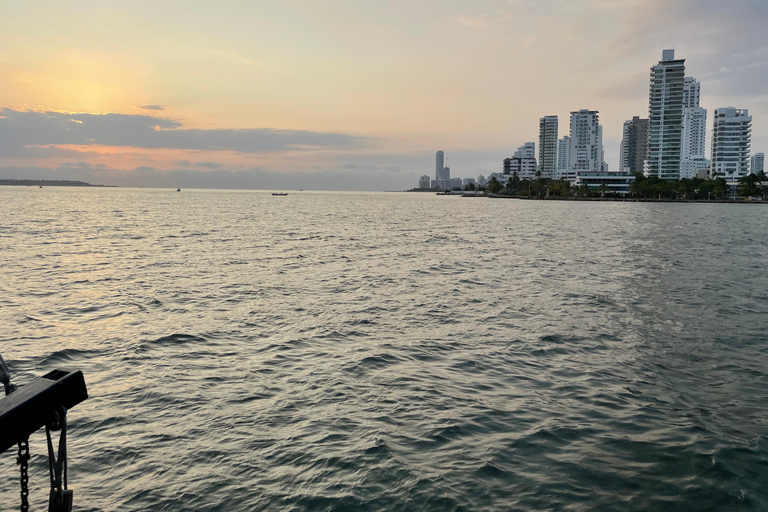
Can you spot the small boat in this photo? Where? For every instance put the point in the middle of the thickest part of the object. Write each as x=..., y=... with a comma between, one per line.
x=178, y=190
x=279, y=193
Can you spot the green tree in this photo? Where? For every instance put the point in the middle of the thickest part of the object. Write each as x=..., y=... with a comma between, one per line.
x=494, y=186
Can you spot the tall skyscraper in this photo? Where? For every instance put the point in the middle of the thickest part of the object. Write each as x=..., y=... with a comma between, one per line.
x=563, y=150
x=731, y=140
x=634, y=145
x=665, y=114
x=548, y=146
x=758, y=163
x=694, y=122
x=439, y=164
x=586, y=150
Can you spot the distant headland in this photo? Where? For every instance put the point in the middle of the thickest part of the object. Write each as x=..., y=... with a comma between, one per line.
x=47, y=183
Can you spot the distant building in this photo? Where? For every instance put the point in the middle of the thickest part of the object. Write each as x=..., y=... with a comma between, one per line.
x=548, y=146
x=615, y=182
x=527, y=150
x=694, y=167
x=424, y=182
x=481, y=181
x=446, y=175
x=563, y=150
x=586, y=149
x=524, y=167
x=439, y=164
x=731, y=140
x=634, y=145
x=468, y=181
x=694, y=121
x=665, y=114
x=566, y=174
x=693, y=153
x=757, y=164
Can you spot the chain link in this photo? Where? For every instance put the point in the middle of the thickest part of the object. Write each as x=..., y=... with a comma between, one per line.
x=22, y=461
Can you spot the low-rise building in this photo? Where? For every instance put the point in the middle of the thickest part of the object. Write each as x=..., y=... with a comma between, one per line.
x=566, y=174
x=690, y=167
x=615, y=182
x=524, y=167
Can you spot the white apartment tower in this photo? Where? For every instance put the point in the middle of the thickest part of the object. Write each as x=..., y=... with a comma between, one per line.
x=758, y=163
x=527, y=150
x=548, y=146
x=586, y=145
x=731, y=140
x=694, y=122
x=691, y=92
x=665, y=113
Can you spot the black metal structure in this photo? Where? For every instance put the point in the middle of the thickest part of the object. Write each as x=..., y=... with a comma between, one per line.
x=29, y=408
x=41, y=403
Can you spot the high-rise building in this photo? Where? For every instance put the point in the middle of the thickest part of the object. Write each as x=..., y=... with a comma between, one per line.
x=424, y=182
x=691, y=92
x=563, y=150
x=665, y=114
x=757, y=165
x=634, y=145
x=731, y=140
x=694, y=122
x=527, y=150
x=586, y=149
x=439, y=164
x=548, y=146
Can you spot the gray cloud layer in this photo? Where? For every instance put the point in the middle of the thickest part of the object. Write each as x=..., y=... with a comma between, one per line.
x=21, y=129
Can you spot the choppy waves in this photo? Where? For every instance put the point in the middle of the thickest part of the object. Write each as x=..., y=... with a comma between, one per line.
x=393, y=351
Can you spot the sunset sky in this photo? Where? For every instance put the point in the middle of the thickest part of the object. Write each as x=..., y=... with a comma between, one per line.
x=343, y=94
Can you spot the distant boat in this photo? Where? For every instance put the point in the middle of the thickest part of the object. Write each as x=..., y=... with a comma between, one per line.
x=279, y=194
x=41, y=186
x=178, y=190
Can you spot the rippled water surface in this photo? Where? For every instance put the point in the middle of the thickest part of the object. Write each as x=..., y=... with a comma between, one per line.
x=339, y=351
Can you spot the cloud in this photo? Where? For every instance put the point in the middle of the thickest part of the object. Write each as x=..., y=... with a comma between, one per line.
x=20, y=130
x=152, y=107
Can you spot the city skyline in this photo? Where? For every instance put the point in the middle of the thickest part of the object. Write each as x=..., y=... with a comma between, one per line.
x=263, y=95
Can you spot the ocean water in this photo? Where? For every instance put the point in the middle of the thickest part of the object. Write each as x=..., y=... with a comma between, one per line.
x=388, y=351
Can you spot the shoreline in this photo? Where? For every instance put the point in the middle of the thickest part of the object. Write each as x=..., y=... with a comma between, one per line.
x=623, y=199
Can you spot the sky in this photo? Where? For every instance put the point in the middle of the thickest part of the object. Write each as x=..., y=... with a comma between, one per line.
x=343, y=94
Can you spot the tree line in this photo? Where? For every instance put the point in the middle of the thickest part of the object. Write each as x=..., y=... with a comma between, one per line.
x=716, y=188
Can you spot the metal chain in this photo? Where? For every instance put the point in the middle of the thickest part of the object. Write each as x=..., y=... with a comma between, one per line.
x=22, y=461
